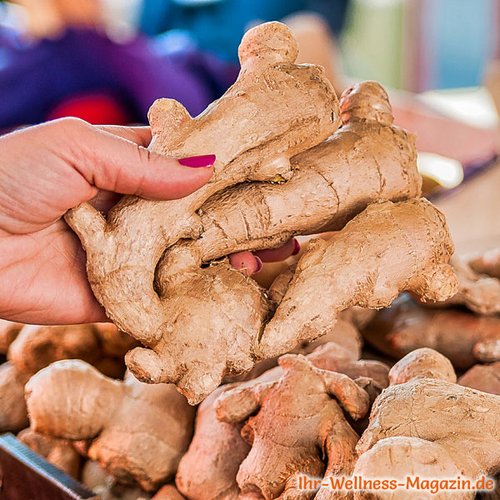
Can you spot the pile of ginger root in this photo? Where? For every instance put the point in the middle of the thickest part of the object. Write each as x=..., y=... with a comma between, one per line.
x=239, y=391
x=465, y=329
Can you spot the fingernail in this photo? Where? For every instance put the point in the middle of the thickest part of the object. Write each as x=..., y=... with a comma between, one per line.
x=198, y=161
x=259, y=265
x=296, y=247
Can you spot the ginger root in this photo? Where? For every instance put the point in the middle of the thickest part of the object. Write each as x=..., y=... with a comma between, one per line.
x=275, y=110
x=428, y=425
x=38, y=346
x=197, y=324
x=34, y=348
x=479, y=293
x=368, y=264
x=139, y=431
x=343, y=337
x=330, y=183
x=347, y=270
x=208, y=469
x=463, y=337
x=281, y=446
x=58, y=452
x=13, y=413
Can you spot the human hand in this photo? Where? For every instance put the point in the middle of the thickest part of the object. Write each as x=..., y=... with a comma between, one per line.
x=48, y=169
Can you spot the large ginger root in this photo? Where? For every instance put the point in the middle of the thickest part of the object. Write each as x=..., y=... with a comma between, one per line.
x=275, y=110
x=464, y=338
x=284, y=210
x=58, y=452
x=368, y=263
x=371, y=243
x=208, y=469
x=223, y=312
x=282, y=446
x=8, y=333
x=139, y=431
x=34, y=348
x=479, y=293
x=330, y=183
x=425, y=424
x=37, y=346
x=484, y=378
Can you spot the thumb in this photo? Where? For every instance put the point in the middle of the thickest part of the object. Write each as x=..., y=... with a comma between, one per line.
x=113, y=163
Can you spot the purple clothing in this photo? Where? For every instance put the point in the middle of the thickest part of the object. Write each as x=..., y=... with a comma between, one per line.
x=34, y=77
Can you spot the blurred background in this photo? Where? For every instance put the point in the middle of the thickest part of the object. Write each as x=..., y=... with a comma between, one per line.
x=106, y=61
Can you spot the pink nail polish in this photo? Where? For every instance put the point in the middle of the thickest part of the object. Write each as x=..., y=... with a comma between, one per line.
x=198, y=161
x=259, y=265
x=296, y=247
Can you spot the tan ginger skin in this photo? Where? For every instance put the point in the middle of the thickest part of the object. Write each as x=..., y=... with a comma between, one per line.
x=343, y=335
x=208, y=469
x=464, y=338
x=59, y=452
x=478, y=292
x=282, y=446
x=252, y=142
x=368, y=263
x=153, y=301
x=325, y=190
x=13, y=413
x=34, y=348
x=345, y=271
x=425, y=424
x=139, y=431
x=354, y=151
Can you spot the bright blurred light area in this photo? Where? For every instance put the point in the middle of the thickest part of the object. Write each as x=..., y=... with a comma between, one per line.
x=445, y=172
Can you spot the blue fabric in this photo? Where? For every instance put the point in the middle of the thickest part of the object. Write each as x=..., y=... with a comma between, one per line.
x=218, y=25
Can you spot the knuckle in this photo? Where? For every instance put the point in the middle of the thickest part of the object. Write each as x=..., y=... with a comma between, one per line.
x=71, y=124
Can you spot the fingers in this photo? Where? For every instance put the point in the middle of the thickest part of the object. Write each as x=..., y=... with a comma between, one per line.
x=246, y=262
x=112, y=159
x=251, y=263
x=138, y=135
x=291, y=247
